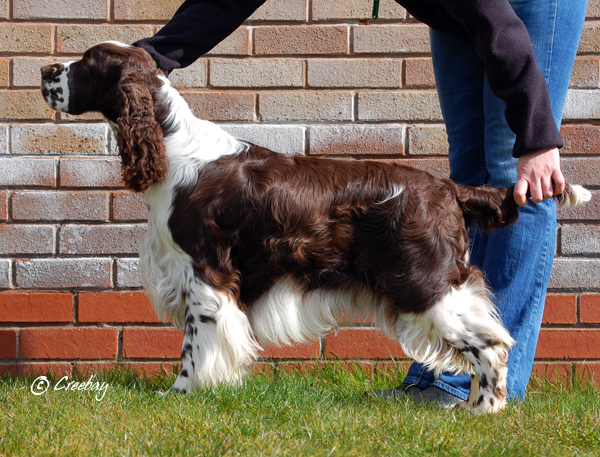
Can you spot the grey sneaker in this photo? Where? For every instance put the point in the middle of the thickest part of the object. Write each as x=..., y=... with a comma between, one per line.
x=436, y=395
x=404, y=390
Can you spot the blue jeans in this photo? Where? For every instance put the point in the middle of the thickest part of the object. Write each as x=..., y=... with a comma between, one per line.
x=516, y=261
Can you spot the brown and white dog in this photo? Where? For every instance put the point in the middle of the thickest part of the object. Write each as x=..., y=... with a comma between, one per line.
x=247, y=246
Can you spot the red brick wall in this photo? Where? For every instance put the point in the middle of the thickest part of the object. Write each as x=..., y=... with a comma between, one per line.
x=301, y=76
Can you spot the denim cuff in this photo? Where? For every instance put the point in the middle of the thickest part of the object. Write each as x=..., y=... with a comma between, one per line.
x=437, y=383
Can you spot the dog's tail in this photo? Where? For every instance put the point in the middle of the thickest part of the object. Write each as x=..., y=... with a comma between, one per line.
x=496, y=208
x=573, y=196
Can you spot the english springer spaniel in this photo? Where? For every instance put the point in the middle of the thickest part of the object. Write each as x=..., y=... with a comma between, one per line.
x=246, y=246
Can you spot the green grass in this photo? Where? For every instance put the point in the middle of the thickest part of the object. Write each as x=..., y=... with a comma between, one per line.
x=321, y=413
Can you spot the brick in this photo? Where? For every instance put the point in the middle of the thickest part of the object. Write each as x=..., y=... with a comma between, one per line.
x=568, y=344
x=361, y=343
x=586, y=73
x=555, y=373
x=588, y=372
x=262, y=369
x=593, y=9
x=427, y=140
x=575, y=274
x=3, y=139
x=89, y=116
x=584, y=171
x=69, y=343
x=301, y=367
x=90, y=173
x=129, y=206
x=26, y=239
x=396, y=39
x=323, y=10
x=294, y=351
x=304, y=367
x=36, y=307
x=589, y=309
x=296, y=106
x=4, y=72
x=196, y=75
x=287, y=139
x=60, y=206
x=419, y=73
x=580, y=139
x=290, y=10
x=25, y=38
x=63, y=273
x=152, y=343
x=437, y=167
x=238, y=43
x=591, y=211
x=395, y=370
x=143, y=369
x=113, y=147
x=355, y=73
x=582, y=104
x=60, y=9
x=5, y=273
x=76, y=39
x=23, y=105
x=590, y=39
x=59, y=139
x=247, y=73
x=121, y=307
x=8, y=344
x=560, y=309
x=222, y=106
x=577, y=240
x=128, y=273
x=3, y=205
x=357, y=139
x=4, y=10
x=26, y=70
x=408, y=106
x=145, y=10
x=100, y=239
x=58, y=369
x=303, y=39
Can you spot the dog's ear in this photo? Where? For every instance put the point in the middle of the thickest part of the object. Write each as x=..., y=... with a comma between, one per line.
x=139, y=136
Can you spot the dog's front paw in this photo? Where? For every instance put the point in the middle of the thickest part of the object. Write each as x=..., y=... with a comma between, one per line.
x=483, y=407
x=182, y=386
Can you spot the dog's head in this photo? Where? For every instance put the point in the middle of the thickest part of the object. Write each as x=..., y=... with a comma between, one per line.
x=122, y=83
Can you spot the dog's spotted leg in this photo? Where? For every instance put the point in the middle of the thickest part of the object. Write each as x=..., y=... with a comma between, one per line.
x=218, y=344
x=184, y=382
x=488, y=384
x=462, y=333
x=473, y=394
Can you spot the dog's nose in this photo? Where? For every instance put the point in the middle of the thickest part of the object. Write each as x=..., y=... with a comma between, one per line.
x=47, y=71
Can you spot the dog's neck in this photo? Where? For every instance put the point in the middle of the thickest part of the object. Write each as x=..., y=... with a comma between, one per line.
x=189, y=140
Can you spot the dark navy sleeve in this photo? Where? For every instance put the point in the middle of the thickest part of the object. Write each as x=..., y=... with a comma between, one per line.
x=196, y=27
x=503, y=44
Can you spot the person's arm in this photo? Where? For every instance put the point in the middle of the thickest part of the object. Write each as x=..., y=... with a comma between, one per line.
x=196, y=27
x=503, y=44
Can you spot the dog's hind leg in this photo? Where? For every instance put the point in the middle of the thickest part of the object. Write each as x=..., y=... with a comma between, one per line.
x=218, y=344
x=462, y=333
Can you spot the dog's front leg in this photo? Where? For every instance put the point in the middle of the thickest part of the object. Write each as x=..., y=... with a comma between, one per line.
x=218, y=344
x=185, y=380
